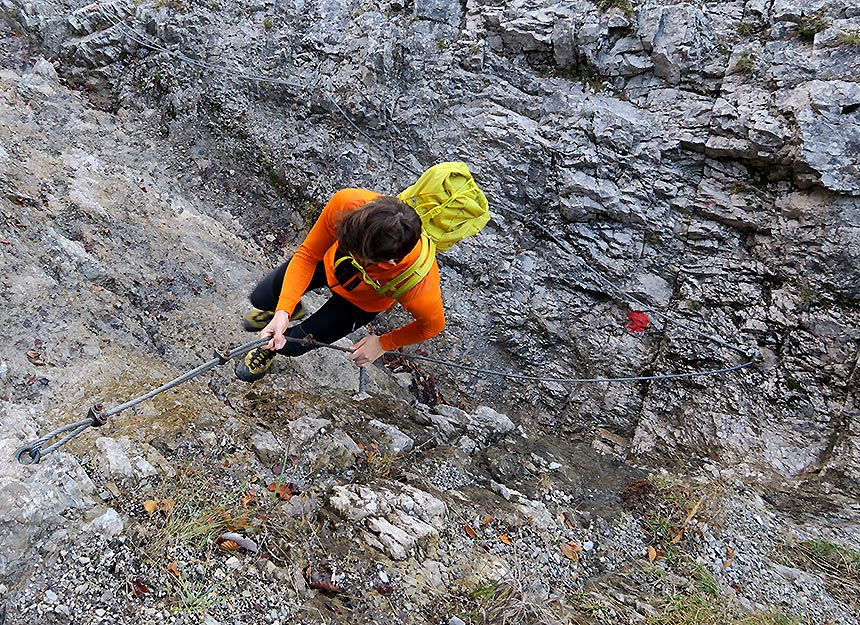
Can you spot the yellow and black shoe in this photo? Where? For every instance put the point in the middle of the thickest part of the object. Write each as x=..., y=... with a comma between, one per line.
x=256, y=320
x=255, y=364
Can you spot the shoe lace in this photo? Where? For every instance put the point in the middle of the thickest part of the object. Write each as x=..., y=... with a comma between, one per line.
x=260, y=357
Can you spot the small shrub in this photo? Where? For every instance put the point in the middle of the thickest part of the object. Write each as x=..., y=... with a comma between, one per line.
x=268, y=23
x=746, y=29
x=811, y=26
x=624, y=5
x=746, y=63
x=849, y=38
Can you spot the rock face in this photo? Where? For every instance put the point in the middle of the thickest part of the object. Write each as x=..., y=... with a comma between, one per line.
x=695, y=161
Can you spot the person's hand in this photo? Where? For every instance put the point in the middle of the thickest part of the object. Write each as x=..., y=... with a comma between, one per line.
x=276, y=328
x=366, y=350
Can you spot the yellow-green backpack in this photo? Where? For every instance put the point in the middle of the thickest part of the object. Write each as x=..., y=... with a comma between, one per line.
x=449, y=202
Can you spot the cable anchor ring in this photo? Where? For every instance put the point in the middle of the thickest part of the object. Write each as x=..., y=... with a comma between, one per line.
x=34, y=452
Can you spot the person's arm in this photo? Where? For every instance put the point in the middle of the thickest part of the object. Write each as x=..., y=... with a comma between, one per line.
x=424, y=303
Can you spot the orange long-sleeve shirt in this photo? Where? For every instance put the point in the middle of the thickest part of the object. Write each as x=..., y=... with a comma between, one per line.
x=423, y=301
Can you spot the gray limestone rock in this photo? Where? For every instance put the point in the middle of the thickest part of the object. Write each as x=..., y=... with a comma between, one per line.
x=268, y=448
x=36, y=501
x=393, y=440
x=304, y=429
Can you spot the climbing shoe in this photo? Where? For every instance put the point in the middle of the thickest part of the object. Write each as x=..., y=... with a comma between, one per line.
x=255, y=364
x=256, y=320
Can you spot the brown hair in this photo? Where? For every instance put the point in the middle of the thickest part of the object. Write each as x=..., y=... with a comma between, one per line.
x=383, y=229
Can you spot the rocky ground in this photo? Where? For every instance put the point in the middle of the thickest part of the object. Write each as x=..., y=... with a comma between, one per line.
x=144, y=192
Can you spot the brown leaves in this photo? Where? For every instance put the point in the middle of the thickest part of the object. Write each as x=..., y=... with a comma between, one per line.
x=571, y=550
x=172, y=568
x=486, y=530
x=320, y=578
x=138, y=588
x=730, y=557
x=162, y=505
x=284, y=491
x=653, y=554
x=248, y=499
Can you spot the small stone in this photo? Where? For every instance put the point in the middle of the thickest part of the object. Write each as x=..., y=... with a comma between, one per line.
x=233, y=563
x=456, y=621
x=50, y=596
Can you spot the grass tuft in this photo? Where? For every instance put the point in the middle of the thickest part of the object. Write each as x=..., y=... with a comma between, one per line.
x=848, y=38
x=837, y=565
x=811, y=26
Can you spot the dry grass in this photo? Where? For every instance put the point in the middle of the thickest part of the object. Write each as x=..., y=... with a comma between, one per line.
x=837, y=565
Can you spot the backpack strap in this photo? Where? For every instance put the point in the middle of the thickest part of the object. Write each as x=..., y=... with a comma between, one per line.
x=402, y=283
x=414, y=274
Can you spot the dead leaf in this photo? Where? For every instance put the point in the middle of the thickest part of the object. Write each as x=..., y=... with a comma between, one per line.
x=678, y=536
x=238, y=524
x=172, y=568
x=248, y=498
x=384, y=589
x=652, y=553
x=138, y=588
x=487, y=520
x=228, y=545
x=167, y=505
x=283, y=492
x=237, y=539
x=731, y=557
x=470, y=532
x=320, y=578
x=571, y=550
x=150, y=505
x=693, y=512
x=505, y=539
x=567, y=519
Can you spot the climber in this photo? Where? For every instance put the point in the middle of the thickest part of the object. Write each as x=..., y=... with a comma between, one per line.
x=362, y=240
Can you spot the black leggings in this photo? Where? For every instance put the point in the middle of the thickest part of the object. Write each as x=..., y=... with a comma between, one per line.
x=334, y=320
